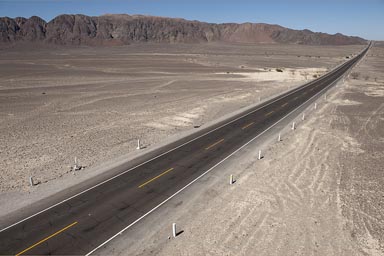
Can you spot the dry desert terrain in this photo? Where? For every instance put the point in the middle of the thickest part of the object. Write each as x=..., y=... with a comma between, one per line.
x=318, y=192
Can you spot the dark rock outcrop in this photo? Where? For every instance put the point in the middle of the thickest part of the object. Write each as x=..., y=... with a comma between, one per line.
x=126, y=29
x=32, y=29
x=9, y=30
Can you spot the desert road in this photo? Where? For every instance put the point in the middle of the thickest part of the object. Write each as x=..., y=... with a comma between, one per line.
x=80, y=224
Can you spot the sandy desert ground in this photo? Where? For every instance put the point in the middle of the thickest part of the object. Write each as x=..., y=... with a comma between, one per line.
x=318, y=192
x=94, y=103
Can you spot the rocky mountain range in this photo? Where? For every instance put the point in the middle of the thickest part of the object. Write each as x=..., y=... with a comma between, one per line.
x=126, y=29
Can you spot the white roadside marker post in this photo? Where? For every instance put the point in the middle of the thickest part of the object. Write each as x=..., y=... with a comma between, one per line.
x=315, y=105
x=75, y=167
x=293, y=126
x=259, y=99
x=325, y=96
x=138, y=144
x=259, y=157
x=31, y=181
x=303, y=117
x=231, y=179
x=174, y=229
x=279, y=138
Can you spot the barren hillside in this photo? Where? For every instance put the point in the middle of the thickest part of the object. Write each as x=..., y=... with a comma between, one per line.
x=125, y=29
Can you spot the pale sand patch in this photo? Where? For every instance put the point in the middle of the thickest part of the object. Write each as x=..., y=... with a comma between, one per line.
x=345, y=102
x=231, y=97
x=374, y=90
x=179, y=120
x=370, y=245
x=351, y=145
x=287, y=74
x=159, y=126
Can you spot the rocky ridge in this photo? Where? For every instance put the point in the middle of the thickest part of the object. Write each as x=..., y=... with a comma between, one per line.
x=124, y=29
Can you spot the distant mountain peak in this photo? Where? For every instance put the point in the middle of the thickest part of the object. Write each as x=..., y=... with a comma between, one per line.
x=112, y=29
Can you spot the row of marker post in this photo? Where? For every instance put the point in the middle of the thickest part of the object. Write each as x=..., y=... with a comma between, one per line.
x=231, y=177
x=76, y=166
x=293, y=127
x=260, y=156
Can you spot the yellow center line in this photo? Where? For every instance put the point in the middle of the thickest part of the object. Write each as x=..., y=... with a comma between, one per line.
x=312, y=89
x=269, y=113
x=285, y=104
x=214, y=144
x=158, y=176
x=296, y=98
x=245, y=127
x=304, y=93
x=47, y=238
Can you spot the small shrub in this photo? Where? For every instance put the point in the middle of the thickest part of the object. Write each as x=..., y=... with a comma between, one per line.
x=366, y=78
x=314, y=76
x=355, y=75
x=279, y=70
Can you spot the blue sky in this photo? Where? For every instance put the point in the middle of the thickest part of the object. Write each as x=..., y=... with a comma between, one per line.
x=363, y=18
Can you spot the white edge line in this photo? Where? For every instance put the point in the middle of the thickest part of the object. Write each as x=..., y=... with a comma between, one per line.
x=210, y=169
x=118, y=175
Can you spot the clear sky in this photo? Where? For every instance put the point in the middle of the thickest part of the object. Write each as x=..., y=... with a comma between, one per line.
x=363, y=18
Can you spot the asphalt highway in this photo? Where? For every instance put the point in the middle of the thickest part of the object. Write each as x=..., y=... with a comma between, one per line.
x=81, y=224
